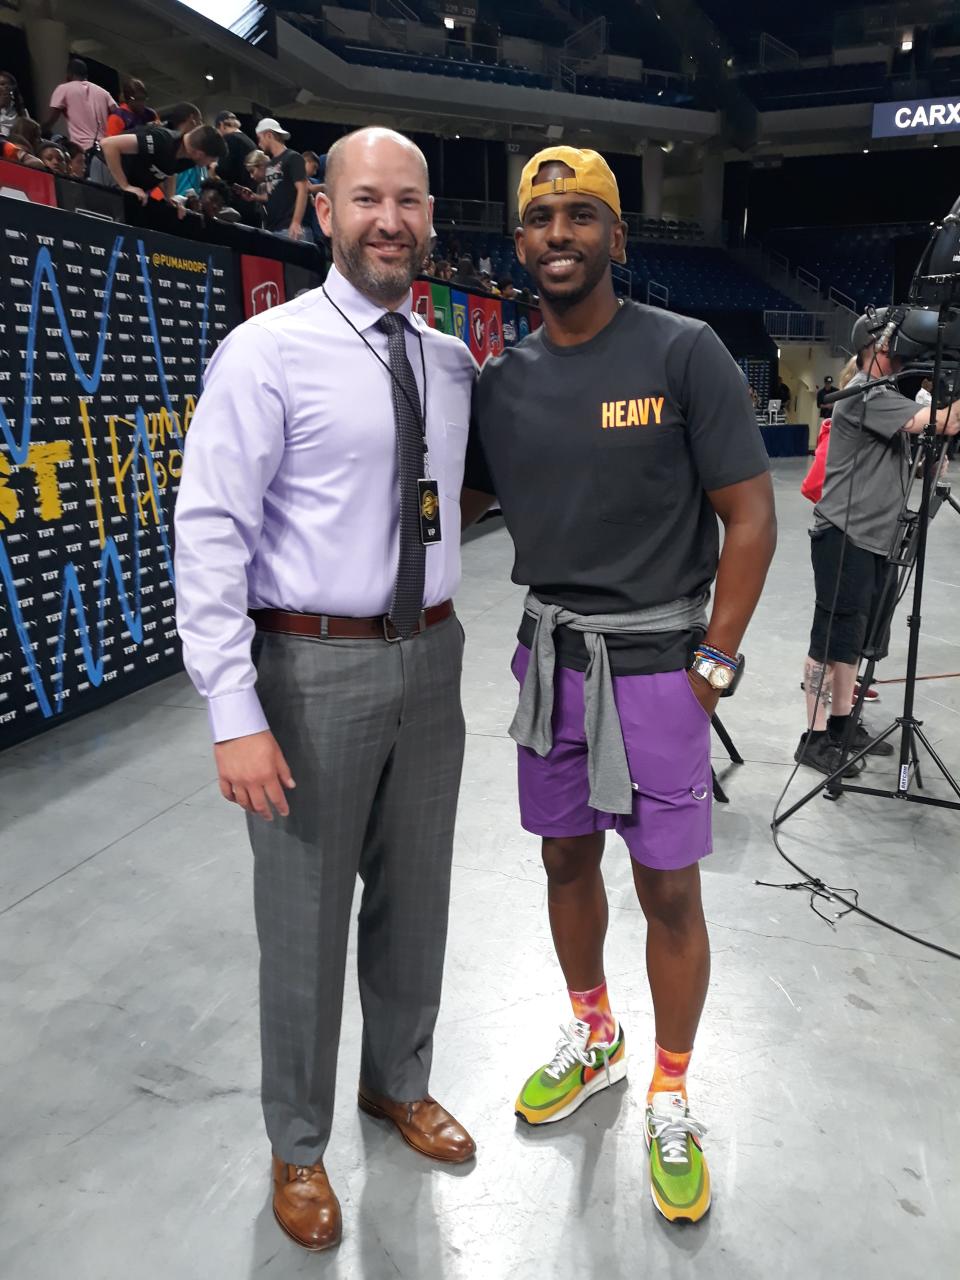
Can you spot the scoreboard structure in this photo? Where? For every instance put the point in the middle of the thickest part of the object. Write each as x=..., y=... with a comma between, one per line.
x=105, y=332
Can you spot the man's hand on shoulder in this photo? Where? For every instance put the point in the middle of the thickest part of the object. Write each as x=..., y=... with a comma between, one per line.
x=253, y=774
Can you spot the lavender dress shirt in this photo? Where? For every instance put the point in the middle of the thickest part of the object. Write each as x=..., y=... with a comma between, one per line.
x=289, y=496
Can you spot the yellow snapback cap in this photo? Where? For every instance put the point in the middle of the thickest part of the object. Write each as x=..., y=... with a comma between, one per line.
x=592, y=176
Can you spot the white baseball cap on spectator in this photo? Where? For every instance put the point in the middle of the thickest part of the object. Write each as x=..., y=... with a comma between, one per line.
x=269, y=125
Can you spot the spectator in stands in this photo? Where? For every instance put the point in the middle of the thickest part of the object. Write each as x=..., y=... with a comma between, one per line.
x=507, y=289
x=86, y=107
x=286, y=182
x=10, y=104
x=214, y=201
x=76, y=161
x=53, y=158
x=825, y=410
x=316, y=167
x=15, y=150
x=232, y=167
x=182, y=118
x=14, y=117
x=251, y=195
x=783, y=394
x=154, y=155
x=132, y=112
x=466, y=274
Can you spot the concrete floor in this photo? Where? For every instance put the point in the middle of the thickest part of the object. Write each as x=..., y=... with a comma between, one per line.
x=825, y=1067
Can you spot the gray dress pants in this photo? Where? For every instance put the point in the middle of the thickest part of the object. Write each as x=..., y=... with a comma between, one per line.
x=373, y=733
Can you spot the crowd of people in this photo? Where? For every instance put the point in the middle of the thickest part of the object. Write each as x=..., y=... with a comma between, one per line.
x=217, y=170
x=477, y=276
x=214, y=170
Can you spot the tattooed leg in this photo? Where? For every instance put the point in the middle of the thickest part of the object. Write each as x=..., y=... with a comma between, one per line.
x=813, y=673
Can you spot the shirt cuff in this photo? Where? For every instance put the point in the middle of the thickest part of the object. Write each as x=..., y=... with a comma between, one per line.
x=236, y=715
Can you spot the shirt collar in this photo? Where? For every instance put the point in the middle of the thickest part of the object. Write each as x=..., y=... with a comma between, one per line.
x=363, y=311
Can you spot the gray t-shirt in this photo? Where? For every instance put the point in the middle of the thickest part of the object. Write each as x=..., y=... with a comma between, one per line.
x=601, y=456
x=878, y=458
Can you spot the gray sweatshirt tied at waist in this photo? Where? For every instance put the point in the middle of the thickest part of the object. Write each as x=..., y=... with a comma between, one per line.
x=611, y=788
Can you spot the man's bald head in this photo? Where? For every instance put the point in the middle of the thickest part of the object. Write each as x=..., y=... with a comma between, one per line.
x=377, y=212
x=363, y=146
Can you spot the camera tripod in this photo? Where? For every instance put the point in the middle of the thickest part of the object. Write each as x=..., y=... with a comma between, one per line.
x=912, y=554
x=719, y=794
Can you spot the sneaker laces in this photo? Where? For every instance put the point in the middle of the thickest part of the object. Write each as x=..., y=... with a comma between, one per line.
x=672, y=1133
x=569, y=1051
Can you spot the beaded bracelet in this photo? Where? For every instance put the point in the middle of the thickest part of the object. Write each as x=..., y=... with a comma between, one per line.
x=716, y=655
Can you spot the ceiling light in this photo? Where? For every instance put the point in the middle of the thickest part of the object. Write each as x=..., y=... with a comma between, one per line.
x=866, y=151
x=209, y=77
x=906, y=44
x=449, y=23
x=457, y=137
x=729, y=62
x=659, y=93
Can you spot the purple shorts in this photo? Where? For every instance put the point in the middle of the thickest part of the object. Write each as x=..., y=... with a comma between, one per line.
x=666, y=733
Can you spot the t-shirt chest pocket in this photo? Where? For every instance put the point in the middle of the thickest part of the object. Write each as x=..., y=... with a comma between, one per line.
x=634, y=473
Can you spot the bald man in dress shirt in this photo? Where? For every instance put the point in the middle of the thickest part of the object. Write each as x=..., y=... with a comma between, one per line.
x=314, y=586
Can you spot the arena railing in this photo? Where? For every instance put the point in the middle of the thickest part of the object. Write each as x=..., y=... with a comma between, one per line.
x=658, y=295
x=828, y=327
x=469, y=215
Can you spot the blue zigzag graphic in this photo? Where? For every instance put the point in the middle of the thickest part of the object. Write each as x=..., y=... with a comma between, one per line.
x=71, y=596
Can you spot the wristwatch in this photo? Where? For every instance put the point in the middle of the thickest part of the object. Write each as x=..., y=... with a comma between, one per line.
x=718, y=672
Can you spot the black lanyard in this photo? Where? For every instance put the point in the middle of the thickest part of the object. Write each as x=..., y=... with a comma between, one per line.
x=416, y=409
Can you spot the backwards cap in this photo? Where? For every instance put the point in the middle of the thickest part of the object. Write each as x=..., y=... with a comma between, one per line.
x=592, y=176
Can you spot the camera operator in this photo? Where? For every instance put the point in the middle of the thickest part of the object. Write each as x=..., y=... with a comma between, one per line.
x=867, y=475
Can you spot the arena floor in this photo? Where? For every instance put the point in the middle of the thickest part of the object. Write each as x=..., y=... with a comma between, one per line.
x=825, y=1069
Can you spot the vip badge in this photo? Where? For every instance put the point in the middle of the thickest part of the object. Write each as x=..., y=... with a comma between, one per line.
x=429, y=512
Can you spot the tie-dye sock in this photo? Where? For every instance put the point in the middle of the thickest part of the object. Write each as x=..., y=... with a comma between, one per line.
x=669, y=1072
x=593, y=1008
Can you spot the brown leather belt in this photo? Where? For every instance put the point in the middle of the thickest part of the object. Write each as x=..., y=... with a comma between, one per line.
x=319, y=626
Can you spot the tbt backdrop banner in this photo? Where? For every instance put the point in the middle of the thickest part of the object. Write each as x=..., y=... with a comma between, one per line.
x=104, y=337
x=105, y=333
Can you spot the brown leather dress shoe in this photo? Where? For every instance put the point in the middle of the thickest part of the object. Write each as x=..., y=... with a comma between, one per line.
x=304, y=1205
x=424, y=1125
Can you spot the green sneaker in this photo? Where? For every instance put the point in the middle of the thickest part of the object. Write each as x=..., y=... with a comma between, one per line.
x=679, y=1177
x=574, y=1074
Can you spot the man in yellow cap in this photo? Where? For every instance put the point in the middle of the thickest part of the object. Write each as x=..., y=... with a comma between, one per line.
x=613, y=437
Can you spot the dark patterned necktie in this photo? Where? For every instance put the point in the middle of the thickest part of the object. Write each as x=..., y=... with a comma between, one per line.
x=408, y=593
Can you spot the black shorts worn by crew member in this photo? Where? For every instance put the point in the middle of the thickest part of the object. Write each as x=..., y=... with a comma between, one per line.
x=862, y=575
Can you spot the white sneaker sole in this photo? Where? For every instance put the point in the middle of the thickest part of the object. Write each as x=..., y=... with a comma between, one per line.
x=618, y=1072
